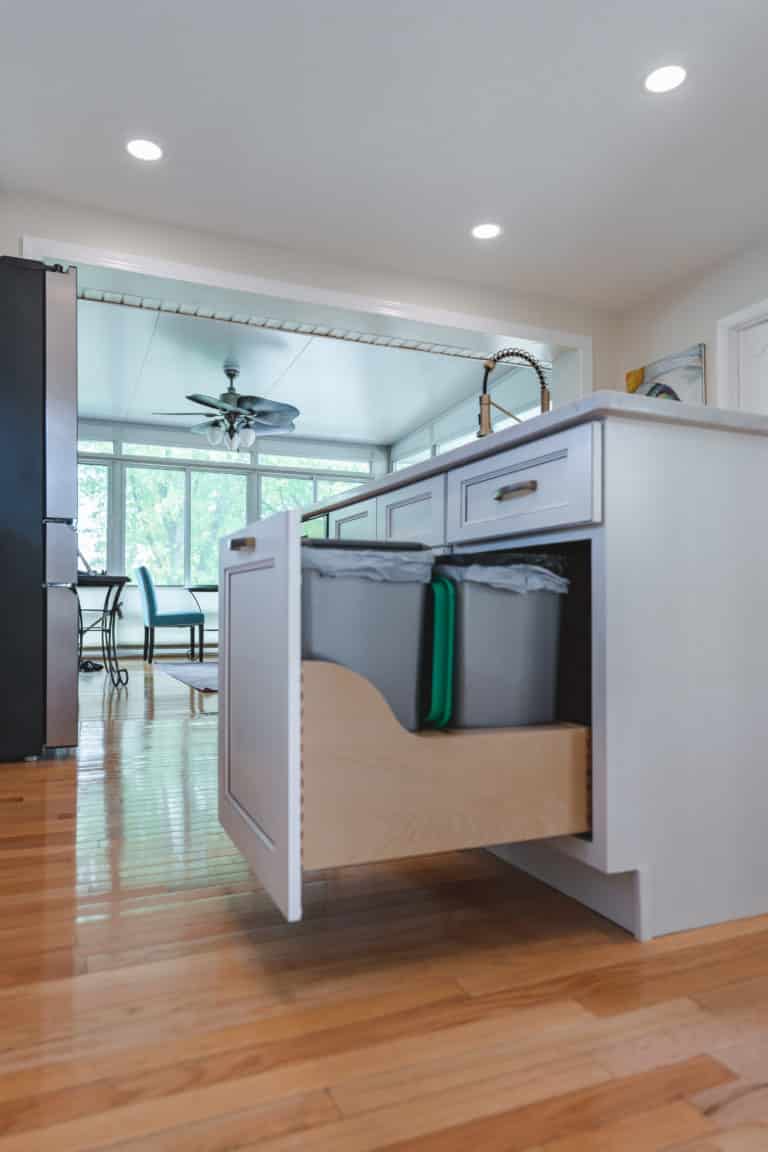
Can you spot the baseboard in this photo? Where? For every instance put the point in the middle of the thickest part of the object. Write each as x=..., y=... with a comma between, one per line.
x=618, y=897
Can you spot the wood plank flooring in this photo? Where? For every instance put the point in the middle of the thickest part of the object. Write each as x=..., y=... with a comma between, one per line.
x=151, y=997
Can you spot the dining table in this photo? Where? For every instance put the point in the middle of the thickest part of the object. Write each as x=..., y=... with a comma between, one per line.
x=104, y=621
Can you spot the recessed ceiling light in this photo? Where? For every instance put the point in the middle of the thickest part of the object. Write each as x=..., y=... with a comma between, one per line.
x=144, y=149
x=665, y=79
x=486, y=231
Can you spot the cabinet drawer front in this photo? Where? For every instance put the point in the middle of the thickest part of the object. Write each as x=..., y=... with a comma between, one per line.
x=551, y=483
x=355, y=522
x=416, y=512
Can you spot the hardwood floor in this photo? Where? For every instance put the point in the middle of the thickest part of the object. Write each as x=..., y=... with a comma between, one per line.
x=151, y=997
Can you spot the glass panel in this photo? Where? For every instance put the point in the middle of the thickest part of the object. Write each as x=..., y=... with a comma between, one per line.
x=414, y=458
x=316, y=528
x=219, y=506
x=154, y=522
x=506, y=422
x=313, y=463
x=281, y=492
x=98, y=447
x=456, y=442
x=327, y=489
x=169, y=452
x=92, y=513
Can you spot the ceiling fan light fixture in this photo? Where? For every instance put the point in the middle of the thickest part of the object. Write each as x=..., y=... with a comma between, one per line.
x=247, y=437
x=214, y=434
x=233, y=440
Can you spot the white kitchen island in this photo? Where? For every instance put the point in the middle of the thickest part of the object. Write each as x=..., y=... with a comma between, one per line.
x=661, y=509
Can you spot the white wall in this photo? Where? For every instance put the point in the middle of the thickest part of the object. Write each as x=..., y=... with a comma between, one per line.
x=689, y=312
x=28, y=215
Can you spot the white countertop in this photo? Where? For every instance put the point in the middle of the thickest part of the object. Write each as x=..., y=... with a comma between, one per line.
x=597, y=406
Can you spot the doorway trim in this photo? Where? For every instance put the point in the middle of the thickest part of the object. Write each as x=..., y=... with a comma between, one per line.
x=729, y=330
x=68, y=252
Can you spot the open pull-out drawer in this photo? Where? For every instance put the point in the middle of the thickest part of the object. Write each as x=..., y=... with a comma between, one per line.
x=314, y=769
x=373, y=791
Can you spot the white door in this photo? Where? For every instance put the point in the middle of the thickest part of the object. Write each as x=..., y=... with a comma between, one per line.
x=260, y=702
x=753, y=368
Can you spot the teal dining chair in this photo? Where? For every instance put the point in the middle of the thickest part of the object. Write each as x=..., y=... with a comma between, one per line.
x=153, y=618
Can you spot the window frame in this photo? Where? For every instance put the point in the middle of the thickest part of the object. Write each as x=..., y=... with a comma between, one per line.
x=188, y=509
x=131, y=464
x=105, y=462
x=117, y=463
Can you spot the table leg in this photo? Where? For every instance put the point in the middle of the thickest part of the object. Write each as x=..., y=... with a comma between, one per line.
x=118, y=675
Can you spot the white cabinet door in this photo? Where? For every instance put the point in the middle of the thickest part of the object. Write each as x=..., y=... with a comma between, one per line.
x=753, y=368
x=355, y=522
x=260, y=702
x=416, y=512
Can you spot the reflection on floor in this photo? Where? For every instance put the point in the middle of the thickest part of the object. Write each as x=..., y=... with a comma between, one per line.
x=151, y=997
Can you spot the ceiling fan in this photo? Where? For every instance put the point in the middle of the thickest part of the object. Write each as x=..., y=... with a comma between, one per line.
x=239, y=419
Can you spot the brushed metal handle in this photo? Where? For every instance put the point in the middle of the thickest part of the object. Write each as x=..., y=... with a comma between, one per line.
x=510, y=491
x=242, y=543
x=62, y=584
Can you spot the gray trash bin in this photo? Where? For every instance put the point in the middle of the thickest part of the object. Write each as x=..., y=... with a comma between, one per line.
x=507, y=644
x=365, y=609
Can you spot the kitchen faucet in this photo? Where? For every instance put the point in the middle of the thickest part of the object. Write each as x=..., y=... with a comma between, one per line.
x=485, y=424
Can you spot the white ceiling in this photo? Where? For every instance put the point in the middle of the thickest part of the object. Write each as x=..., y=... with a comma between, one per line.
x=377, y=133
x=134, y=362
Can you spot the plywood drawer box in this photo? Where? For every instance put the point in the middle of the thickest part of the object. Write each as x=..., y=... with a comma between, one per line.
x=553, y=482
x=314, y=769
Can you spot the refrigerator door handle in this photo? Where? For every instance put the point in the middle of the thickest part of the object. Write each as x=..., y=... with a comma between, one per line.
x=67, y=521
x=62, y=584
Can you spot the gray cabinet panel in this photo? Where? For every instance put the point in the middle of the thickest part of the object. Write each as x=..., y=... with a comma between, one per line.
x=416, y=512
x=355, y=522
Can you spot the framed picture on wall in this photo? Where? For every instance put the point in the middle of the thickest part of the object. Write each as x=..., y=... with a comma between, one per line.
x=679, y=377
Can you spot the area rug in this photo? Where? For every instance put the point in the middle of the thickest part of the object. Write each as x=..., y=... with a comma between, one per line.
x=204, y=677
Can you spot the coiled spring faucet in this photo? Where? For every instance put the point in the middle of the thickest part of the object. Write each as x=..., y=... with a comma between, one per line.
x=485, y=423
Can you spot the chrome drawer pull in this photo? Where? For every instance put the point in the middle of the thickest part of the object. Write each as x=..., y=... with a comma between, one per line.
x=524, y=488
x=242, y=543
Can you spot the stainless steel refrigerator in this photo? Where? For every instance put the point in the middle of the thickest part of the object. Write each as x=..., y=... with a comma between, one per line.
x=38, y=508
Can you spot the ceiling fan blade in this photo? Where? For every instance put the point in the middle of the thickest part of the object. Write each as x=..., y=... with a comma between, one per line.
x=261, y=404
x=175, y=413
x=272, y=431
x=212, y=402
x=271, y=419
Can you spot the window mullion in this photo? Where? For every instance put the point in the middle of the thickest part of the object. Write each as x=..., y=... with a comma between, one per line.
x=116, y=527
x=187, y=525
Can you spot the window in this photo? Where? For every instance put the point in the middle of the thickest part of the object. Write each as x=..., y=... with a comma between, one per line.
x=92, y=513
x=167, y=506
x=314, y=464
x=218, y=506
x=327, y=489
x=316, y=528
x=96, y=447
x=168, y=452
x=506, y=422
x=154, y=522
x=413, y=458
x=281, y=492
x=456, y=442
